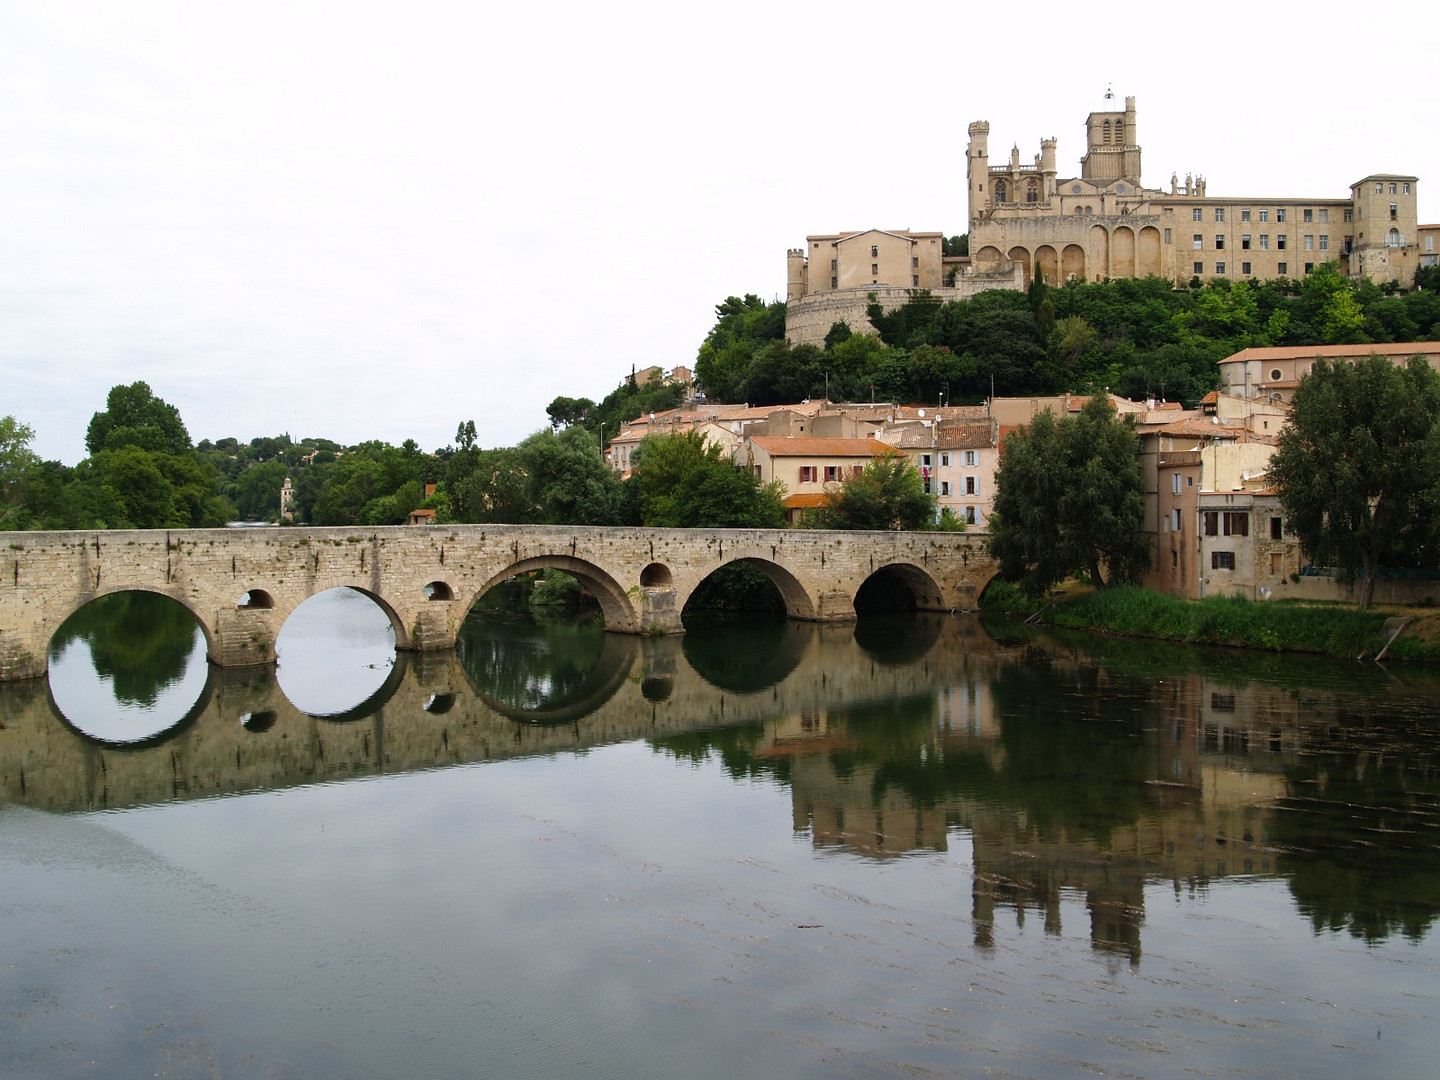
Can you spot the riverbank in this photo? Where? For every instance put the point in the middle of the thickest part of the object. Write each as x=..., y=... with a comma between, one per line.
x=1276, y=625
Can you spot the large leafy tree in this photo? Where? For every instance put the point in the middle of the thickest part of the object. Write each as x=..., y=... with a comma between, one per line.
x=888, y=493
x=16, y=461
x=134, y=416
x=687, y=483
x=1069, y=496
x=1358, y=466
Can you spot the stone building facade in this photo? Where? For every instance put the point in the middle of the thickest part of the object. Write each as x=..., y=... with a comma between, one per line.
x=1105, y=223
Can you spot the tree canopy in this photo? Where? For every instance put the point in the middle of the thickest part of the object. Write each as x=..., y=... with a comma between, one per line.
x=1358, y=467
x=888, y=493
x=686, y=483
x=1069, y=496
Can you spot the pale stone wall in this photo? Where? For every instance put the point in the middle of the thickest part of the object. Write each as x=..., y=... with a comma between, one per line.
x=641, y=577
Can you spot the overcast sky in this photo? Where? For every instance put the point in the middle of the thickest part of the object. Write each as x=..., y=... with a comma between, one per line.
x=375, y=220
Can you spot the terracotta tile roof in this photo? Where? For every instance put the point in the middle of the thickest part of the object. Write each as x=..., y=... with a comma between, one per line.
x=778, y=447
x=805, y=500
x=1212, y=398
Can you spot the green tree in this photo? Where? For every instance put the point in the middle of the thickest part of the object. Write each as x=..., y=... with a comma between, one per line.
x=1069, y=496
x=1358, y=466
x=888, y=493
x=16, y=461
x=686, y=483
x=567, y=481
x=133, y=416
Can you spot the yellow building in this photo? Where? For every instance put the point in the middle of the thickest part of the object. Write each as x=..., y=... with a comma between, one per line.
x=1105, y=223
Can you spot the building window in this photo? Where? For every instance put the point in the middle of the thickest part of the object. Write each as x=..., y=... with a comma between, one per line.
x=1394, y=239
x=1379, y=189
x=1032, y=192
x=1309, y=267
x=972, y=485
x=1222, y=560
x=1309, y=242
x=969, y=457
x=1392, y=187
x=834, y=474
x=1197, y=214
x=1324, y=216
x=1167, y=236
x=999, y=190
x=944, y=487
x=1219, y=242
x=1280, y=241
x=874, y=251
x=1175, y=483
x=1245, y=242
x=1264, y=215
x=1235, y=523
x=914, y=281
x=1174, y=520
x=1210, y=522
x=925, y=461
x=1244, y=215
x=1349, y=215
x=1276, y=528
x=807, y=474
x=1245, y=269
x=1394, y=212
x=1198, y=241
x=969, y=515
x=1280, y=214
x=945, y=458
x=1219, y=213
x=834, y=283
x=1282, y=268
x=1406, y=189
x=1199, y=268
x=1309, y=215
x=1219, y=268
x=1264, y=241
x=1324, y=242
x=874, y=269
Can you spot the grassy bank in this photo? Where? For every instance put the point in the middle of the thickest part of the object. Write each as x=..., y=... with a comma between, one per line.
x=1275, y=625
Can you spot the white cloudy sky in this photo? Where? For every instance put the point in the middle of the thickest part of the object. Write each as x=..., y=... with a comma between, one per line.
x=375, y=220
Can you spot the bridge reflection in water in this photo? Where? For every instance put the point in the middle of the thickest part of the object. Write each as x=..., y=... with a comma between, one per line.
x=1070, y=772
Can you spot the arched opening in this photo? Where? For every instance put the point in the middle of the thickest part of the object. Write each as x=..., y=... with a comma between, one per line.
x=438, y=590
x=128, y=668
x=439, y=704
x=1032, y=191
x=656, y=576
x=752, y=586
x=1047, y=263
x=1022, y=256
x=256, y=599
x=258, y=722
x=898, y=587
x=1000, y=191
x=1072, y=262
x=616, y=608
x=336, y=651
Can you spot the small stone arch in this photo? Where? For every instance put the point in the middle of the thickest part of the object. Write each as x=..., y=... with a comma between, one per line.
x=1123, y=251
x=615, y=604
x=1099, y=251
x=988, y=259
x=656, y=576
x=1072, y=262
x=1021, y=256
x=438, y=590
x=1150, y=263
x=256, y=600
x=1047, y=263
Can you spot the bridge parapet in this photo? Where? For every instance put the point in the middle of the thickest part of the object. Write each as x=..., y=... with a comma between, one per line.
x=242, y=584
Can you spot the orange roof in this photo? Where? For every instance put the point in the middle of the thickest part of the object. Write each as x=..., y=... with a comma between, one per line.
x=1307, y=352
x=778, y=447
x=805, y=500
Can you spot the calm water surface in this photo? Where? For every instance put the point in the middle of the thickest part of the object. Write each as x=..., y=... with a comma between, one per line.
x=909, y=847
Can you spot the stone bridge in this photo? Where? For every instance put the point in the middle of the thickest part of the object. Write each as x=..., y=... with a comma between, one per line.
x=242, y=584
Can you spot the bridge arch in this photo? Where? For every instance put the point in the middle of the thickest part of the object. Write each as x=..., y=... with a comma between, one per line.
x=615, y=603
x=799, y=604
x=283, y=611
x=923, y=588
x=119, y=589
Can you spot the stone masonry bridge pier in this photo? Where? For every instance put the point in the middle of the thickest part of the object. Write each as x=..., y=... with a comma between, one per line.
x=242, y=584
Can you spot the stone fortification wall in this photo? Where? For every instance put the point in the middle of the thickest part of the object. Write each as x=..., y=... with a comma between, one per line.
x=809, y=318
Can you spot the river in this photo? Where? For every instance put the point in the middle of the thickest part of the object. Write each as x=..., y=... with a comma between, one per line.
x=915, y=846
